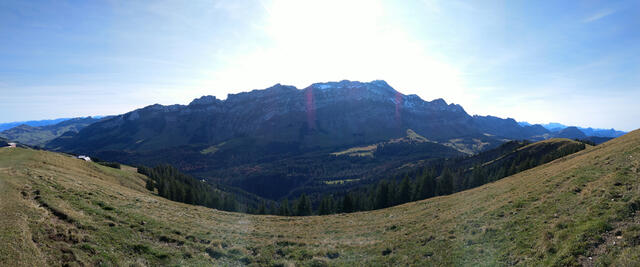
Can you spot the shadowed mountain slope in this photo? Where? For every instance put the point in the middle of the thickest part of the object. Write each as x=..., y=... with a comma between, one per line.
x=252, y=133
x=570, y=132
x=319, y=116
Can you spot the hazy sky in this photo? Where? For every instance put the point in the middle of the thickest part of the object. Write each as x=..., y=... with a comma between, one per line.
x=574, y=62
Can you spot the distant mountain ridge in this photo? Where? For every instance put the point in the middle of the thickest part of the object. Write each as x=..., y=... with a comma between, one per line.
x=329, y=114
x=589, y=131
x=571, y=132
x=508, y=127
x=40, y=135
x=34, y=123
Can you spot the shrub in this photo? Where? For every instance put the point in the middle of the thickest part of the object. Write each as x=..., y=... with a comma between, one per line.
x=215, y=253
x=114, y=165
x=141, y=249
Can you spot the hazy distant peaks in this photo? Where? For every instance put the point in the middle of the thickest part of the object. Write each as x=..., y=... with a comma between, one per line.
x=589, y=131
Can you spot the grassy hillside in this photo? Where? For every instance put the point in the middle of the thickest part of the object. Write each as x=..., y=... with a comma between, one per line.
x=580, y=209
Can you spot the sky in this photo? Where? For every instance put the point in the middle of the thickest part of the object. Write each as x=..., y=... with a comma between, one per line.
x=574, y=62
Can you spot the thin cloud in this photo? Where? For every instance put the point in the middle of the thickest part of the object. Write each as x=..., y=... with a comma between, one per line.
x=599, y=15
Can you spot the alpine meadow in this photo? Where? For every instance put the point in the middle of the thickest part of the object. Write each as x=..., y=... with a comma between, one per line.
x=131, y=135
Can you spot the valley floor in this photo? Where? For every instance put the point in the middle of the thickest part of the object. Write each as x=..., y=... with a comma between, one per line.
x=578, y=210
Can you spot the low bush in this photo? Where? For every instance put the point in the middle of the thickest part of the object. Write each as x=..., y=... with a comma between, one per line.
x=114, y=165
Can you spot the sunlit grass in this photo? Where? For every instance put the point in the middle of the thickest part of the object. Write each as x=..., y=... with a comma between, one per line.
x=58, y=210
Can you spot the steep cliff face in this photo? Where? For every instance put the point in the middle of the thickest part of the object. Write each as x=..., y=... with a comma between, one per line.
x=321, y=115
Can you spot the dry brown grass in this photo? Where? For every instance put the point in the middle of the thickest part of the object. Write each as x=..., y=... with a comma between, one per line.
x=554, y=214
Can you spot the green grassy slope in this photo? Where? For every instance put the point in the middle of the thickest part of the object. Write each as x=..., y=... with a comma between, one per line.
x=57, y=210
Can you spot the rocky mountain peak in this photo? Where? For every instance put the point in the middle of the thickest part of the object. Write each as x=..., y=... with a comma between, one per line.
x=204, y=100
x=377, y=86
x=440, y=104
x=280, y=87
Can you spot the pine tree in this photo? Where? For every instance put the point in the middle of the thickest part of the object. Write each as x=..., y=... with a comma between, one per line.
x=425, y=186
x=165, y=192
x=347, y=203
x=179, y=192
x=445, y=183
x=188, y=196
x=382, y=195
x=392, y=193
x=284, y=208
x=149, y=184
x=358, y=201
x=404, y=191
x=326, y=205
x=476, y=177
x=262, y=209
x=459, y=182
x=213, y=201
x=229, y=203
x=303, y=206
x=271, y=209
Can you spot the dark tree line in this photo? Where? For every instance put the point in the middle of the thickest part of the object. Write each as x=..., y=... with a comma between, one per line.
x=586, y=141
x=114, y=165
x=177, y=186
x=280, y=174
x=439, y=178
x=300, y=207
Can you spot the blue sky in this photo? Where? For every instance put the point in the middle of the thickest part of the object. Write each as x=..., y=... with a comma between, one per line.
x=574, y=62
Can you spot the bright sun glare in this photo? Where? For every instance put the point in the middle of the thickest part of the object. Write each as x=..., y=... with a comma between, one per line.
x=332, y=40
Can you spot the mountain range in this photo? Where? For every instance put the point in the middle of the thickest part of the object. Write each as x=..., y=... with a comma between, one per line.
x=41, y=132
x=283, y=141
x=34, y=123
x=40, y=135
x=596, y=132
x=322, y=115
x=255, y=140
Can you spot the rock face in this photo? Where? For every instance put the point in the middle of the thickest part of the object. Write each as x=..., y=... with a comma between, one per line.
x=321, y=115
